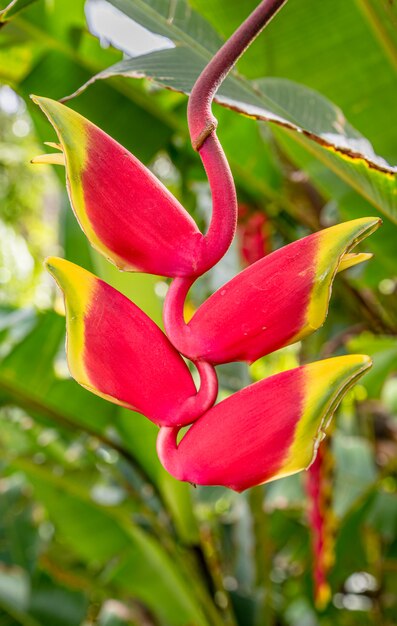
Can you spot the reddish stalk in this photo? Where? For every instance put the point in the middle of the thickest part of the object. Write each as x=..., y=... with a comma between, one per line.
x=202, y=128
x=202, y=125
x=178, y=333
x=201, y=121
x=174, y=322
x=167, y=448
x=198, y=404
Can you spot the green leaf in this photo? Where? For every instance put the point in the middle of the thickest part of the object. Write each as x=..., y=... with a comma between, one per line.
x=316, y=122
x=39, y=389
x=139, y=437
x=355, y=470
x=334, y=47
x=51, y=603
x=99, y=534
x=41, y=392
x=174, y=20
x=383, y=351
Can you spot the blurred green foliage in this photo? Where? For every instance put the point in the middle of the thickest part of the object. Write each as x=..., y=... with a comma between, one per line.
x=92, y=529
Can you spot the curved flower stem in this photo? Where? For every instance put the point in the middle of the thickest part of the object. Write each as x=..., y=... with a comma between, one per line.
x=202, y=125
x=173, y=312
x=178, y=333
x=195, y=406
x=223, y=222
x=201, y=121
x=203, y=400
x=167, y=449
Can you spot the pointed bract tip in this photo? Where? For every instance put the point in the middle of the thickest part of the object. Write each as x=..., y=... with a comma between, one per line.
x=65, y=271
x=67, y=123
x=54, y=158
x=349, y=234
x=55, y=266
x=358, y=360
x=359, y=364
x=327, y=382
x=365, y=227
x=333, y=256
x=350, y=260
x=40, y=100
x=48, y=106
x=52, y=262
x=344, y=368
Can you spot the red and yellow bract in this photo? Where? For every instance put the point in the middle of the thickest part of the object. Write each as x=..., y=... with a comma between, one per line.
x=115, y=350
x=277, y=301
x=125, y=211
x=268, y=430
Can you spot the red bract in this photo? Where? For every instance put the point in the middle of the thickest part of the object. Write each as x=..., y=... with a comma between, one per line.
x=268, y=430
x=253, y=234
x=321, y=522
x=276, y=301
x=116, y=351
x=125, y=211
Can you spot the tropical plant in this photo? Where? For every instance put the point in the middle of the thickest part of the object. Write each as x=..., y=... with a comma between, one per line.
x=108, y=536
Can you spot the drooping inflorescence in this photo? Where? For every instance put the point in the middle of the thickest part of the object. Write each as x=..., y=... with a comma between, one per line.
x=269, y=429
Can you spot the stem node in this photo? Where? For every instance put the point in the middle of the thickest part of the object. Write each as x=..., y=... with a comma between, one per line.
x=208, y=129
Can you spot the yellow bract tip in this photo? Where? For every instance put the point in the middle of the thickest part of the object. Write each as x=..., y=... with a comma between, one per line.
x=74, y=280
x=77, y=285
x=333, y=255
x=326, y=383
x=350, y=259
x=53, y=144
x=323, y=596
x=55, y=158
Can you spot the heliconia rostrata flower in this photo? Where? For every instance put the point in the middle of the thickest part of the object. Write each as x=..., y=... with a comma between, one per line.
x=278, y=300
x=117, y=200
x=267, y=430
x=253, y=234
x=322, y=522
x=119, y=353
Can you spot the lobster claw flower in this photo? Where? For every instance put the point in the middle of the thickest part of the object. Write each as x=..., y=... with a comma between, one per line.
x=266, y=431
x=322, y=525
x=117, y=352
x=124, y=210
x=278, y=300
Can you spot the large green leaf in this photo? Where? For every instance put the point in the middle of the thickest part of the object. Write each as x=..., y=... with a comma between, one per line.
x=174, y=20
x=61, y=401
x=312, y=118
x=337, y=47
x=98, y=534
x=40, y=390
x=51, y=52
x=139, y=436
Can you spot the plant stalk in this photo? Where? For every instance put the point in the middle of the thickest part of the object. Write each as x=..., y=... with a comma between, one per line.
x=202, y=123
x=202, y=127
